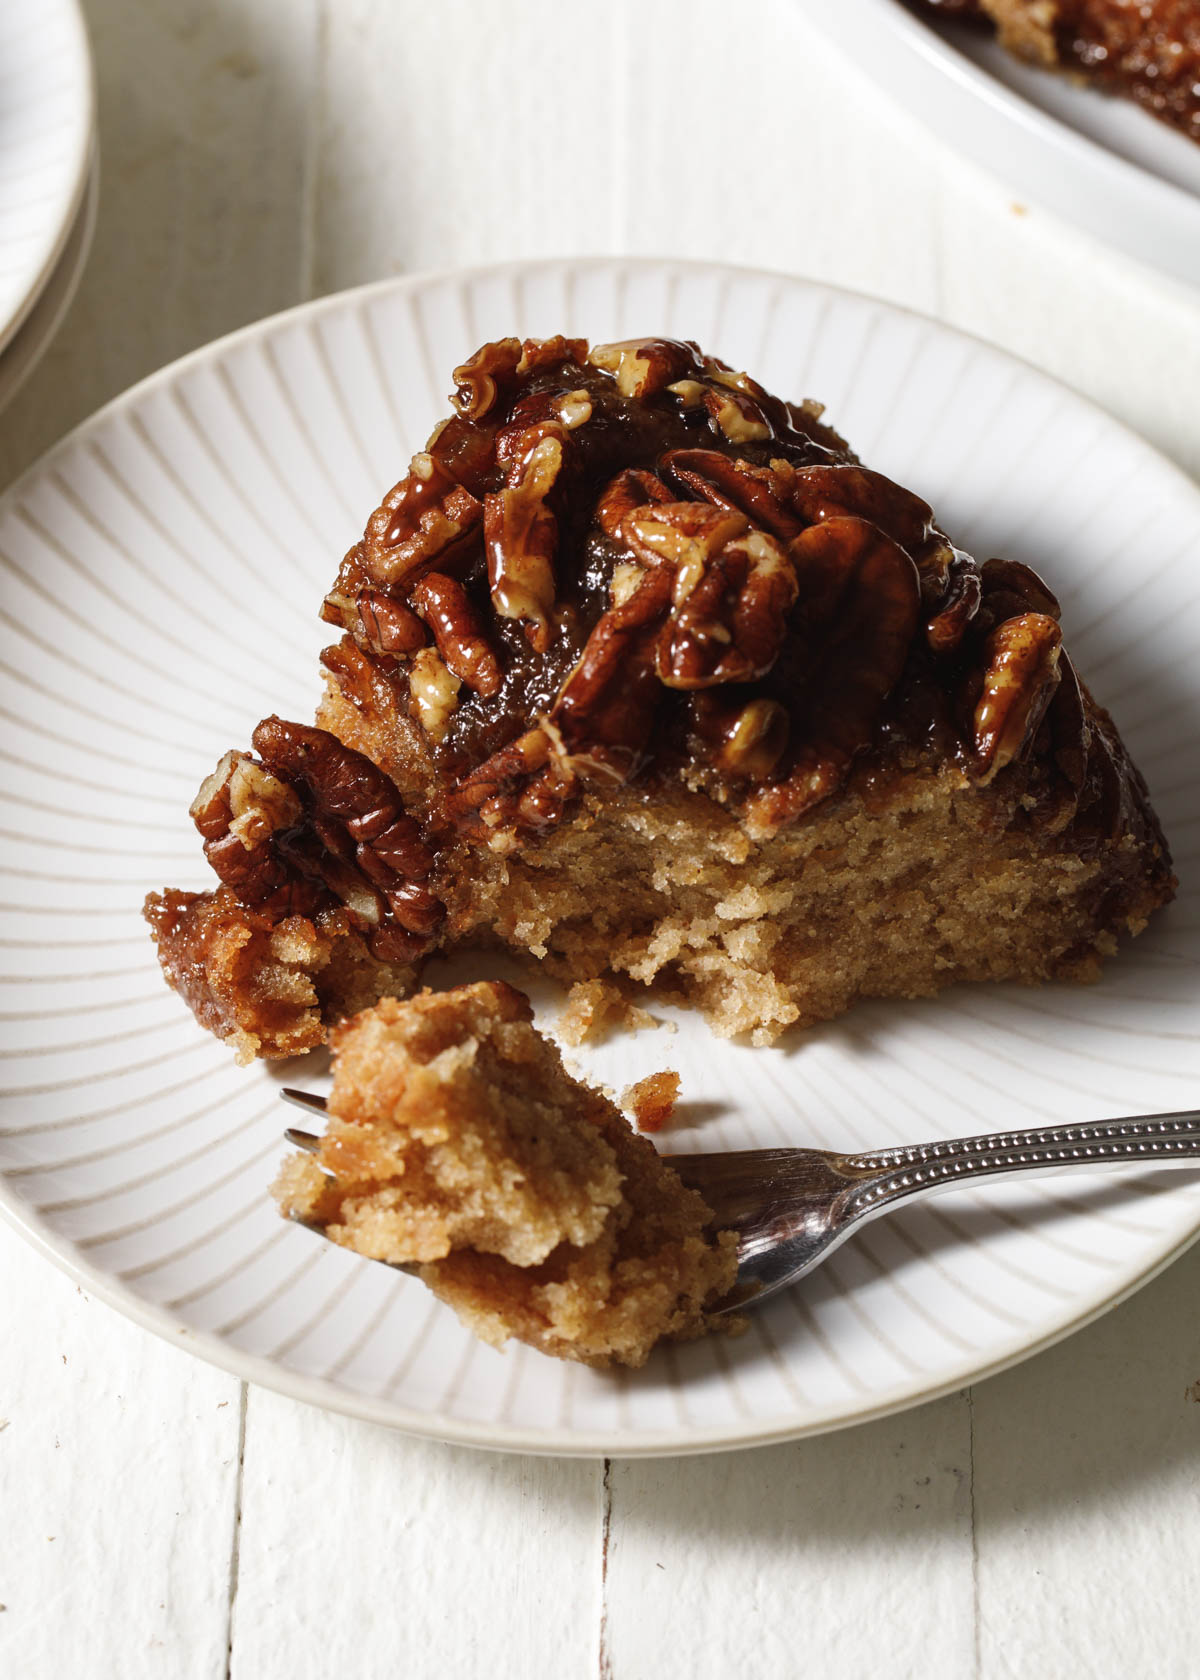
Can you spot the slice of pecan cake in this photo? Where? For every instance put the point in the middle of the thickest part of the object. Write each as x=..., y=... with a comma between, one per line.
x=1145, y=50
x=643, y=674
x=458, y=1144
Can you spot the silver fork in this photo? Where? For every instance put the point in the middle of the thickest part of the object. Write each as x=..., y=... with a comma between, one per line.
x=792, y=1207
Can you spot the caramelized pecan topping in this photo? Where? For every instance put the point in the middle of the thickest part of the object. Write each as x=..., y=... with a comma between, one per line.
x=636, y=562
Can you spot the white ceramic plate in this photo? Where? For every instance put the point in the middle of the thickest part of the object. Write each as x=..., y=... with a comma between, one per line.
x=29, y=344
x=1100, y=162
x=46, y=116
x=161, y=570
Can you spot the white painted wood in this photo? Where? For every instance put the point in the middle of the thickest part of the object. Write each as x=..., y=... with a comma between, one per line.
x=118, y=1476
x=368, y=1553
x=461, y=133
x=846, y=1555
x=1087, y=1497
x=255, y=152
x=1113, y=330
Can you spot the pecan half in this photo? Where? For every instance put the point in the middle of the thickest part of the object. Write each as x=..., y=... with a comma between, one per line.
x=551, y=352
x=477, y=383
x=445, y=606
x=735, y=412
x=605, y=709
x=520, y=536
x=761, y=493
x=860, y=597
x=385, y=625
x=237, y=810
x=383, y=868
x=1011, y=588
x=426, y=520
x=243, y=799
x=826, y=492
x=685, y=535
x=730, y=614
x=1018, y=684
x=524, y=783
x=633, y=488
x=643, y=368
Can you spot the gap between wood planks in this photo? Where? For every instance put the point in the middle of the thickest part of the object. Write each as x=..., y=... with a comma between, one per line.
x=606, y=1671
x=235, y=1550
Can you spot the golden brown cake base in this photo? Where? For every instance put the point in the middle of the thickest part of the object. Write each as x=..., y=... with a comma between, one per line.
x=460, y=1145
x=268, y=988
x=914, y=877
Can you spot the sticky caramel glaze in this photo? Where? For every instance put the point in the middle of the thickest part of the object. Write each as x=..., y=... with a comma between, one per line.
x=622, y=432
x=683, y=732
x=1148, y=51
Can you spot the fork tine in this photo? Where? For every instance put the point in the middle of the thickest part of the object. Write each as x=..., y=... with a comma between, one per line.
x=303, y=1140
x=304, y=1099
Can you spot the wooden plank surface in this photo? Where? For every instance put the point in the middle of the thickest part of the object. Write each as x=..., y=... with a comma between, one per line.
x=118, y=1487
x=256, y=152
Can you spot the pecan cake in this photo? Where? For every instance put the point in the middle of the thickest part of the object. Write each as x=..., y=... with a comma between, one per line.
x=642, y=674
x=458, y=1144
x=1147, y=50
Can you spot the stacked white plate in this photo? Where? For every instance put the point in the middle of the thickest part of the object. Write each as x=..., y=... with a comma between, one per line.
x=47, y=175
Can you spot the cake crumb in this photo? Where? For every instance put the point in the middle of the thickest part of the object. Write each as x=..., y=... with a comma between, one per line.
x=595, y=1008
x=458, y=1145
x=652, y=1100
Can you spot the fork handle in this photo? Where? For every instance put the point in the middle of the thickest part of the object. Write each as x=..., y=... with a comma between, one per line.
x=892, y=1174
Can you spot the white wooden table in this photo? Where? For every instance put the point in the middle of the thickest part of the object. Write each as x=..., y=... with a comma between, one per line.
x=159, y=1518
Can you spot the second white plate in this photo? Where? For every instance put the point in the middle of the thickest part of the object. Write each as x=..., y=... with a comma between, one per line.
x=46, y=115
x=36, y=333
x=1101, y=163
x=160, y=572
